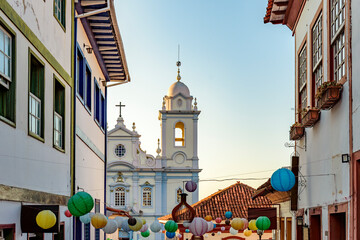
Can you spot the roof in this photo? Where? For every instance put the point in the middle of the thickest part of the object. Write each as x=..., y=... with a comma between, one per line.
x=235, y=198
x=104, y=35
x=178, y=88
x=267, y=190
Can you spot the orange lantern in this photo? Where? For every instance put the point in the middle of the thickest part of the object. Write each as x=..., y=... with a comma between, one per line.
x=208, y=218
x=98, y=220
x=247, y=232
x=237, y=224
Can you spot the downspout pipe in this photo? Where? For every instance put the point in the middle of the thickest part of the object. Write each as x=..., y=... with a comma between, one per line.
x=105, y=157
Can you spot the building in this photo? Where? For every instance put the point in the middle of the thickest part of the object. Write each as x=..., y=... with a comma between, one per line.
x=147, y=185
x=54, y=70
x=236, y=198
x=36, y=97
x=326, y=98
x=99, y=62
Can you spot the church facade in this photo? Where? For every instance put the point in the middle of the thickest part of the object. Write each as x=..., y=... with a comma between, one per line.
x=149, y=186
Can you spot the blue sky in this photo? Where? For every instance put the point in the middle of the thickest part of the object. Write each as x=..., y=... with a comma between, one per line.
x=240, y=70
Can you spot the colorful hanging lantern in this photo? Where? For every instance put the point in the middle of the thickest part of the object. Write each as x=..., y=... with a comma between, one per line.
x=144, y=228
x=191, y=186
x=263, y=223
x=68, y=213
x=187, y=230
x=237, y=224
x=218, y=220
x=247, y=233
x=137, y=226
x=46, y=219
x=208, y=218
x=210, y=226
x=155, y=227
x=179, y=235
x=119, y=221
x=252, y=225
x=233, y=231
x=80, y=204
x=131, y=221
x=206, y=236
x=143, y=221
x=213, y=234
x=283, y=180
x=246, y=223
x=227, y=222
x=110, y=227
x=85, y=218
x=228, y=214
x=98, y=220
x=145, y=234
x=198, y=226
x=171, y=226
x=222, y=228
x=219, y=233
x=170, y=234
x=125, y=225
x=186, y=224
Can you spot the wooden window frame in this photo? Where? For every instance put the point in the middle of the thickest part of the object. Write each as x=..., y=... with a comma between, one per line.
x=61, y=21
x=99, y=107
x=320, y=63
x=298, y=90
x=42, y=97
x=87, y=86
x=331, y=41
x=9, y=226
x=63, y=115
x=80, y=74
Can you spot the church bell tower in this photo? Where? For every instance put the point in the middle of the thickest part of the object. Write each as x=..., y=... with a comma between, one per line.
x=179, y=127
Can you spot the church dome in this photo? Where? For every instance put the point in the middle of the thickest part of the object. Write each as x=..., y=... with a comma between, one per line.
x=178, y=87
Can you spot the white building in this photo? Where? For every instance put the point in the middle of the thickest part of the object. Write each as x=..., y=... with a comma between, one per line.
x=149, y=186
x=35, y=115
x=326, y=119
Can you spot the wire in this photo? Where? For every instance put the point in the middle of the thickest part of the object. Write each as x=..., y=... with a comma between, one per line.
x=231, y=179
x=247, y=173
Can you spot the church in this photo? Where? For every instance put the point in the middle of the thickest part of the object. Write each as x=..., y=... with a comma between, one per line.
x=150, y=186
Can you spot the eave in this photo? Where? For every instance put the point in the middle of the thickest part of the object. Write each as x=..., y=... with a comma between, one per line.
x=105, y=39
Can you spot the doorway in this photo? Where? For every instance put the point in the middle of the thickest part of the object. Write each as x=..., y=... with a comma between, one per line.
x=315, y=227
x=338, y=226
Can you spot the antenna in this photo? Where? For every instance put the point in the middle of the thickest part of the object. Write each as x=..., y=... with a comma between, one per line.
x=178, y=64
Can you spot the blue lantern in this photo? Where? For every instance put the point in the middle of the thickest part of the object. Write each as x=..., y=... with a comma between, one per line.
x=170, y=234
x=187, y=230
x=283, y=180
x=228, y=214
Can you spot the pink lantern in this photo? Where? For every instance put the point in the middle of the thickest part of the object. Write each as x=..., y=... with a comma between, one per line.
x=218, y=220
x=198, y=226
x=67, y=213
x=191, y=186
x=210, y=226
x=246, y=223
x=144, y=228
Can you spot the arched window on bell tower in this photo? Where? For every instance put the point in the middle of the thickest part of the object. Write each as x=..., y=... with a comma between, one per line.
x=179, y=134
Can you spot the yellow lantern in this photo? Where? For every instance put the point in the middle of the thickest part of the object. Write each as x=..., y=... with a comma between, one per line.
x=46, y=219
x=237, y=224
x=247, y=232
x=252, y=225
x=208, y=218
x=137, y=226
x=143, y=221
x=98, y=220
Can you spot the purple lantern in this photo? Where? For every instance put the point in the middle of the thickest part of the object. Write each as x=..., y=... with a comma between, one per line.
x=198, y=226
x=191, y=186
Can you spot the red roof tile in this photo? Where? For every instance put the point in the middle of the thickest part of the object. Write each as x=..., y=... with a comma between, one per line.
x=268, y=11
x=235, y=198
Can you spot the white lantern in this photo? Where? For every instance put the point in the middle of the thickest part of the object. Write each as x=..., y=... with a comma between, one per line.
x=110, y=227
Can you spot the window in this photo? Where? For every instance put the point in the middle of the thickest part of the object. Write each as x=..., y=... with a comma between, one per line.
x=7, y=80
x=87, y=231
x=35, y=236
x=179, y=134
x=61, y=234
x=337, y=19
x=36, y=97
x=80, y=74
x=317, y=53
x=59, y=114
x=178, y=195
x=59, y=11
x=146, y=195
x=99, y=107
x=120, y=150
x=119, y=197
x=88, y=87
x=7, y=231
x=302, y=79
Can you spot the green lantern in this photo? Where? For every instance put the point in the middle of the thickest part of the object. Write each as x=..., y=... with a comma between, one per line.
x=263, y=223
x=171, y=226
x=146, y=233
x=81, y=203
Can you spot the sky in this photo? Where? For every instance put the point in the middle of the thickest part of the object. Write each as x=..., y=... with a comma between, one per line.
x=240, y=70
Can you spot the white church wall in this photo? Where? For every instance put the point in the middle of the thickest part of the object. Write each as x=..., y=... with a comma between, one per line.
x=39, y=17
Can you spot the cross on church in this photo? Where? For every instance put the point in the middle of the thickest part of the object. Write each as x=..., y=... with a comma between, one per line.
x=120, y=107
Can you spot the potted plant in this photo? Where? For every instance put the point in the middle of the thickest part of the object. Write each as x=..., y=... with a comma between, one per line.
x=296, y=131
x=309, y=116
x=328, y=94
